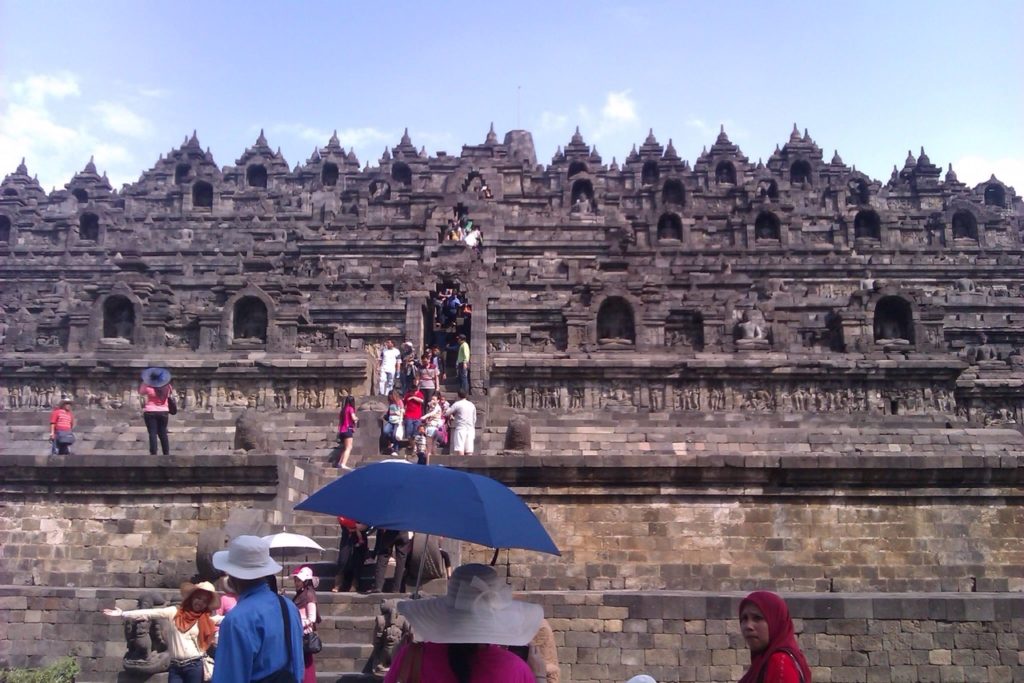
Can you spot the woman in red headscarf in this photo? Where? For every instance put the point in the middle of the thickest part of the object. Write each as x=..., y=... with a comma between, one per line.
x=775, y=656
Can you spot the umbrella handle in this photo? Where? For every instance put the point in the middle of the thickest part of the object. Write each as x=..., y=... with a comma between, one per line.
x=494, y=560
x=419, y=570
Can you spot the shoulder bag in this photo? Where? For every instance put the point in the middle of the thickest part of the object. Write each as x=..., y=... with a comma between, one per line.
x=172, y=404
x=311, y=643
x=285, y=673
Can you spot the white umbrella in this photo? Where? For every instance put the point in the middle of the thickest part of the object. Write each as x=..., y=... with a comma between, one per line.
x=287, y=543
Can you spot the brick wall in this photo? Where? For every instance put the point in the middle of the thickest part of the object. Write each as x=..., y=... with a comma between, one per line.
x=607, y=637
x=127, y=521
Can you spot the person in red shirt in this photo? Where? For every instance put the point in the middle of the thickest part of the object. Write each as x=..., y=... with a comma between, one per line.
x=62, y=422
x=775, y=655
x=352, y=549
x=413, y=412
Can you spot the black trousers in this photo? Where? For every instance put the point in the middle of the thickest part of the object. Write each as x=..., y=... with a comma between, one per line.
x=351, y=556
x=156, y=425
x=401, y=544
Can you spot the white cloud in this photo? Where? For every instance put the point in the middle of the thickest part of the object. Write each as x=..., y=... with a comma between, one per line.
x=37, y=88
x=43, y=120
x=618, y=119
x=360, y=137
x=973, y=170
x=120, y=119
x=619, y=107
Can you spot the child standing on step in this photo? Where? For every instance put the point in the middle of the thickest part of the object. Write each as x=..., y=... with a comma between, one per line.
x=422, y=455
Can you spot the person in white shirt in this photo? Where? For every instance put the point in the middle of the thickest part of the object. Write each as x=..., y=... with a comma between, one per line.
x=388, y=367
x=191, y=629
x=463, y=414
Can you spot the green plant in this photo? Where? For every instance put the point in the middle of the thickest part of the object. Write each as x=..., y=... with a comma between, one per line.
x=61, y=671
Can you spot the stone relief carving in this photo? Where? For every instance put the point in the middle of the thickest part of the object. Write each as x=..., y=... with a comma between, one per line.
x=697, y=396
x=688, y=397
x=617, y=396
x=516, y=397
x=545, y=398
x=577, y=398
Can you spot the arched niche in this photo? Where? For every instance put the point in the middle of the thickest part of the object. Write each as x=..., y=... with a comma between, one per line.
x=89, y=227
x=401, y=174
x=474, y=181
x=181, y=173
x=800, y=172
x=329, y=174
x=670, y=227
x=202, y=195
x=867, y=225
x=256, y=176
x=81, y=195
x=615, y=322
x=249, y=320
x=767, y=187
x=995, y=195
x=834, y=328
x=380, y=190
x=858, y=191
x=5, y=230
x=673, y=193
x=119, y=318
x=583, y=194
x=894, y=320
x=684, y=329
x=10, y=192
x=576, y=168
x=725, y=173
x=649, y=173
x=767, y=227
x=965, y=226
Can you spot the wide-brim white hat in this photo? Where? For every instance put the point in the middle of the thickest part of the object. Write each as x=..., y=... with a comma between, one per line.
x=247, y=557
x=477, y=609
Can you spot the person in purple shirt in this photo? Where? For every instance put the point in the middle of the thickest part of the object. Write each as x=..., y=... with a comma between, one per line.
x=458, y=637
x=251, y=644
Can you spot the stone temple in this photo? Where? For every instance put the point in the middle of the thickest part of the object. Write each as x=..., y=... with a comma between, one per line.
x=705, y=377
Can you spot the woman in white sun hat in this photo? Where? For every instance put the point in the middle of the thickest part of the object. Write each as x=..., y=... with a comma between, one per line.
x=458, y=637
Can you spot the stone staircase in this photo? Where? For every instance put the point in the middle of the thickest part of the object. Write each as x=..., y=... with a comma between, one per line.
x=121, y=432
x=685, y=436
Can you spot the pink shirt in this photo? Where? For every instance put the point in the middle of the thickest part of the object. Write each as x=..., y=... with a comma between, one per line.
x=227, y=602
x=492, y=664
x=347, y=422
x=154, y=404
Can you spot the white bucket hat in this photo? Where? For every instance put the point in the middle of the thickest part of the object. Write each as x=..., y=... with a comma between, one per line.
x=247, y=557
x=478, y=609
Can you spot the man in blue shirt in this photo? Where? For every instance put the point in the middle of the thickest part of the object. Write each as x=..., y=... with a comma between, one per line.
x=251, y=642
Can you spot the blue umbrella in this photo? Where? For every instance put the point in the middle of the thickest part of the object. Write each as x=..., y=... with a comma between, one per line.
x=434, y=500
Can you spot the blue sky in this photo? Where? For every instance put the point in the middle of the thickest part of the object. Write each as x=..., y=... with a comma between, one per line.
x=126, y=81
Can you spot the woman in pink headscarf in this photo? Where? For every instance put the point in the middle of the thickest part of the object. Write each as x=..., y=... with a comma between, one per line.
x=775, y=656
